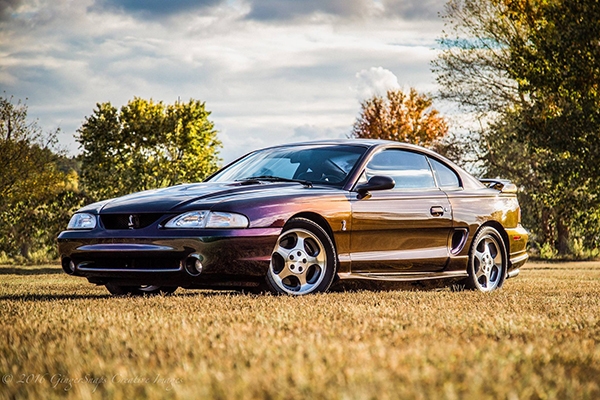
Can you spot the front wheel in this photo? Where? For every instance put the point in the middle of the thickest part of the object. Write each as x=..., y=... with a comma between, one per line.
x=303, y=260
x=488, y=261
x=149, y=290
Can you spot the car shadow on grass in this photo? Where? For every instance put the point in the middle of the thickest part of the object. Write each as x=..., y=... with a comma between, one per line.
x=195, y=293
x=53, y=297
x=355, y=285
x=75, y=296
x=12, y=270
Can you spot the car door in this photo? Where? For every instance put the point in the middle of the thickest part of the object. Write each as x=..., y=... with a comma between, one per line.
x=404, y=229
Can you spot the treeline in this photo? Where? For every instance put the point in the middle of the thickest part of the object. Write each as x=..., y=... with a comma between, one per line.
x=143, y=145
x=38, y=186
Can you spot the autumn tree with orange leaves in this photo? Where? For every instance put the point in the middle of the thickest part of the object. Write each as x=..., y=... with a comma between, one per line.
x=401, y=117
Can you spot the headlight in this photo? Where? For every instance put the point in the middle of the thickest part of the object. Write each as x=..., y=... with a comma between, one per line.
x=226, y=220
x=208, y=219
x=82, y=221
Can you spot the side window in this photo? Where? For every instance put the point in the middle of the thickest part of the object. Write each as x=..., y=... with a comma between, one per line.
x=446, y=178
x=409, y=170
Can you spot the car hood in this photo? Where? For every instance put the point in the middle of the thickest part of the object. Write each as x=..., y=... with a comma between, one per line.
x=184, y=197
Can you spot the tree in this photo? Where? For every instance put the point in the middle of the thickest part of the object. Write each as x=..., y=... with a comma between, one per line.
x=31, y=183
x=529, y=70
x=400, y=117
x=557, y=67
x=146, y=145
x=472, y=68
x=22, y=149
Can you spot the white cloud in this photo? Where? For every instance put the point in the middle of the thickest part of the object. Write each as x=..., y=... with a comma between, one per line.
x=375, y=81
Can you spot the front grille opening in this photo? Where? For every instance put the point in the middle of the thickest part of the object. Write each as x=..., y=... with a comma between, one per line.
x=133, y=264
x=128, y=221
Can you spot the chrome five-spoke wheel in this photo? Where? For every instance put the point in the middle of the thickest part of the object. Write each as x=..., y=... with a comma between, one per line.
x=303, y=260
x=487, y=261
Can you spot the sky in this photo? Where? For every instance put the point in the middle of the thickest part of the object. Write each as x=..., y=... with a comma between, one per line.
x=270, y=71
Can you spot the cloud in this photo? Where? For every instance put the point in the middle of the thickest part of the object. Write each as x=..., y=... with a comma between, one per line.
x=375, y=81
x=414, y=9
x=313, y=132
x=264, y=82
x=154, y=8
x=267, y=10
x=284, y=10
x=7, y=7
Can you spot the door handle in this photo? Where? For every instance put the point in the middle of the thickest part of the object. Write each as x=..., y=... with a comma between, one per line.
x=437, y=211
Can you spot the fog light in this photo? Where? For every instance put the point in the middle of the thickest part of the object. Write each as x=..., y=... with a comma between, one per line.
x=193, y=264
x=68, y=265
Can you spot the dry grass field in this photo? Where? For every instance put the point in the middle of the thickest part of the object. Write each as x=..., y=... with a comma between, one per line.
x=537, y=338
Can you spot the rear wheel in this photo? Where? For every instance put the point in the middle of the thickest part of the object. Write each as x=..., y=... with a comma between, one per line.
x=488, y=261
x=149, y=290
x=303, y=260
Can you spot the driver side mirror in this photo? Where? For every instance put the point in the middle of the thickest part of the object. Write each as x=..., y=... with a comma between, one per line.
x=377, y=182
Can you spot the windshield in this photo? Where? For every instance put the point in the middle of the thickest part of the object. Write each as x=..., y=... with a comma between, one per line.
x=326, y=164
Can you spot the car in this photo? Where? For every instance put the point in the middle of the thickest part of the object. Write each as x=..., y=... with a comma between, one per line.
x=295, y=218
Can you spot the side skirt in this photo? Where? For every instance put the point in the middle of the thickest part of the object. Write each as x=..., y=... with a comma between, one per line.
x=404, y=276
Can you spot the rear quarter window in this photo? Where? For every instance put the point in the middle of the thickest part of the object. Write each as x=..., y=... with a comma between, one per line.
x=446, y=178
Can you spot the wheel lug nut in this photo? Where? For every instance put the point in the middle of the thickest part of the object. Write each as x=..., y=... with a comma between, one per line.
x=292, y=266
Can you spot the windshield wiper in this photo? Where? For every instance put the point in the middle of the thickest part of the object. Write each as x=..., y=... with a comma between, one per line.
x=271, y=178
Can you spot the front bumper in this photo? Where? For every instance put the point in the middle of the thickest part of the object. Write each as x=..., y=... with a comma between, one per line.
x=226, y=256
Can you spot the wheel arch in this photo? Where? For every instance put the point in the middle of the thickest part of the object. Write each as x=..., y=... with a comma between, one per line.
x=498, y=226
x=319, y=220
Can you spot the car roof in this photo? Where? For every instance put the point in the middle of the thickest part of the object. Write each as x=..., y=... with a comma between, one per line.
x=468, y=180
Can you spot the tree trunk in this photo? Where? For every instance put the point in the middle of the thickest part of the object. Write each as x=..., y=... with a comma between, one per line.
x=547, y=234
x=25, y=247
x=562, y=242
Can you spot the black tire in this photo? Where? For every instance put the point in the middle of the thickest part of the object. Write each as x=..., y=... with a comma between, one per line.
x=149, y=290
x=488, y=261
x=303, y=261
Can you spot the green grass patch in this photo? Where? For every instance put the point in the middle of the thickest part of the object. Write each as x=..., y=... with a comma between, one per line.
x=536, y=338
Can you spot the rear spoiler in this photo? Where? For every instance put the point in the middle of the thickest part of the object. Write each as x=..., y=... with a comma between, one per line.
x=502, y=185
